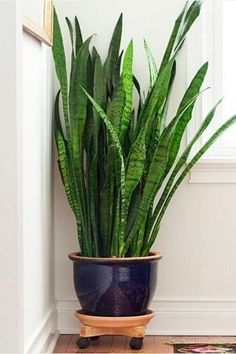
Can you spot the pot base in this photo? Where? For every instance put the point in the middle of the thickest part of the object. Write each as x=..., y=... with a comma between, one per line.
x=130, y=326
x=114, y=322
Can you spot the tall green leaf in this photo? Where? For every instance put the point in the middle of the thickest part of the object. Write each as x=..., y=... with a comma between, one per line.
x=182, y=25
x=115, y=108
x=116, y=141
x=78, y=115
x=71, y=32
x=60, y=66
x=116, y=73
x=173, y=38
x=66, y=171
x=191, y=16
x=135, y=166
x=77, y=99
x=179, y=165
x=78, y=36
x=127, y=81
x=189, y=166
x=156, y=174
x=63, y=156
x=113, y=52
x=157, y=96
x=192, y=91
x=152, y=66
x=99, y=93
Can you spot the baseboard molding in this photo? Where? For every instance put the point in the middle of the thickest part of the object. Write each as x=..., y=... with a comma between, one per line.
x=44, y=338
x=173, y=317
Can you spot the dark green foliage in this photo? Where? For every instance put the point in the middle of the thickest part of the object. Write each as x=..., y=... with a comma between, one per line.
x=113, y=157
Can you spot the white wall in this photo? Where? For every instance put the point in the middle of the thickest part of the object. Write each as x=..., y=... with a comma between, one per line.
x=196, y=288
x=10, y=216
x=27, y=314
x=39, y=314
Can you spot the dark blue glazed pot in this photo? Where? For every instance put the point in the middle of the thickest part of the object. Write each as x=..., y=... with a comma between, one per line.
x=115, y=286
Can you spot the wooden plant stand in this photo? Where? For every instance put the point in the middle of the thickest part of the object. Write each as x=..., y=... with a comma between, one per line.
x=95, y=326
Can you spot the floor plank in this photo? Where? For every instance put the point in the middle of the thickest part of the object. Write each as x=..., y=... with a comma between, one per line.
x=120, y=344
x=72, y=347
x=102, y=345
x=161, y=345
x=62, y=343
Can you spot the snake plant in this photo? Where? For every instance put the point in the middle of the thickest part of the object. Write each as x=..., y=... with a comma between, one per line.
x=121, y=161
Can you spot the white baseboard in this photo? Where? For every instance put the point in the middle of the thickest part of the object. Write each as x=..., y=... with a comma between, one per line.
x=44, y=338
x=173, y=317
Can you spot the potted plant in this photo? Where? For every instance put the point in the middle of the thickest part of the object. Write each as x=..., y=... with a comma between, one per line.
x=115, y=157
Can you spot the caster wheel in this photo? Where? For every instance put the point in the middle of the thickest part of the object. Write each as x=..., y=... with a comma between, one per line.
x=95, y=338
x=83, y=343
x=136, y=343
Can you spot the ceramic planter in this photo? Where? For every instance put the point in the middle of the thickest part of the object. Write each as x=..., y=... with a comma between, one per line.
x=115, y=286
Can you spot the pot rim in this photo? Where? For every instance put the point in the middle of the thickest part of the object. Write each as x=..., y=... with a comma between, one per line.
x=75, y=256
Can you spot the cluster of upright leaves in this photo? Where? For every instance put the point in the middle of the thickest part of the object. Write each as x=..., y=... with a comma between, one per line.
x=114, y=159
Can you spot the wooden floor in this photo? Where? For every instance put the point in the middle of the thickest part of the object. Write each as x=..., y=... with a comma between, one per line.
x=118, y=344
